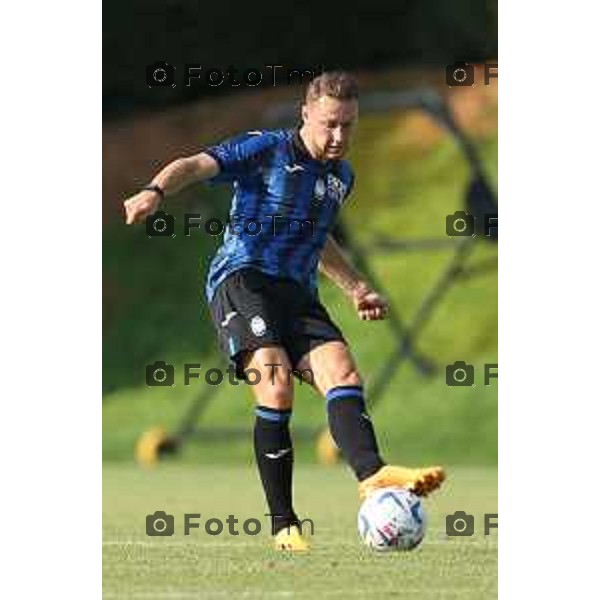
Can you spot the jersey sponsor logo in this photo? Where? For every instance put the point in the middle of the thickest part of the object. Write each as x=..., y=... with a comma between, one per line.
x=293, y=168
x=228, y=318
x=258, y=326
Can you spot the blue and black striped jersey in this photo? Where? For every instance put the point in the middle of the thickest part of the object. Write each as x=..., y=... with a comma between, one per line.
x=284, y=205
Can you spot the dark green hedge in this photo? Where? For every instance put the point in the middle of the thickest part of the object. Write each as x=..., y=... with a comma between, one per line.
x=365, y=35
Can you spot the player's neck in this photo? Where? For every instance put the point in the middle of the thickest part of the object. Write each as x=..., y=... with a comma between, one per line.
x=314, y=153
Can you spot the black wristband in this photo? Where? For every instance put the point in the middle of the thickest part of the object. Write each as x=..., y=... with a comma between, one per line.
x=154, y=187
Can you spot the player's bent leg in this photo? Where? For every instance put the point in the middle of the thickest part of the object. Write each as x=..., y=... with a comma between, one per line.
x=273, y=391
x=336, y=377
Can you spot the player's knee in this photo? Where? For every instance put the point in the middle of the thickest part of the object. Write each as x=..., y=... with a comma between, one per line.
x=279, y=396
x=346, y=376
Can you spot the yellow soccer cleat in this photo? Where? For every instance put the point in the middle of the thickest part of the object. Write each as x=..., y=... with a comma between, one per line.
x=420, y=481
x=290, y=539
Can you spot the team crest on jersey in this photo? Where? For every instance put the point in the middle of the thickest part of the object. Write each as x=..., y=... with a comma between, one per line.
x=336, y=188
x=258, y=326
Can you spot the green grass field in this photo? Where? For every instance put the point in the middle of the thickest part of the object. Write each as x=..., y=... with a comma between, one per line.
x=201, y=566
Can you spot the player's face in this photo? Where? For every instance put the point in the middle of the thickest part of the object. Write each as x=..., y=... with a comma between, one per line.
x=328, y=124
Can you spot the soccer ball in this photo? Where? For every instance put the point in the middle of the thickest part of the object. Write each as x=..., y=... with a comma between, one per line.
x=391, y=518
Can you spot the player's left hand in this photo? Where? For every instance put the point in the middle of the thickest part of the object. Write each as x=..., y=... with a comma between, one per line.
x=370, y=305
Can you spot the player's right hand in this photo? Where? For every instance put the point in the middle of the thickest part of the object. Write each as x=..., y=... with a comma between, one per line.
x=138, y=207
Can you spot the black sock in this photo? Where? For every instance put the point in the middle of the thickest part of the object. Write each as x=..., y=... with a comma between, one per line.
x=275, y=458
x=352, y=430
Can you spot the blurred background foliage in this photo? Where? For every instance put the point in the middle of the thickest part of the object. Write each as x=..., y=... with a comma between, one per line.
x=365, y=36
x=410, y=175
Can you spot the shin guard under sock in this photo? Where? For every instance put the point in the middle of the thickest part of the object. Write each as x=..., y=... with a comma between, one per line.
x=352, y=430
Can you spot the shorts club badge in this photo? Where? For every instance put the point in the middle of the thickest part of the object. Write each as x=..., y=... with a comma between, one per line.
x=258, y=326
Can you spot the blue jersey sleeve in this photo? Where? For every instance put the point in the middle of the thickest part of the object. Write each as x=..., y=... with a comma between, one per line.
x=242, y=155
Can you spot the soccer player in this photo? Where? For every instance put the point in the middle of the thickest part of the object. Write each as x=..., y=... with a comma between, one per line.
x=288, y=186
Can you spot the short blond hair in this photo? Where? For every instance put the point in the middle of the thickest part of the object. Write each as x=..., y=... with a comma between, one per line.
x=335, y=84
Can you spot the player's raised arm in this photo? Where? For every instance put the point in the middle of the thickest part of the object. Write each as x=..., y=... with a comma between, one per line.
x=175, y=176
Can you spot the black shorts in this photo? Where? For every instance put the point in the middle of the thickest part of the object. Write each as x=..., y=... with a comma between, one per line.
x=251, y=310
